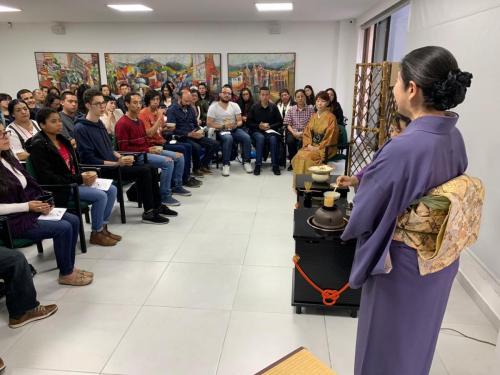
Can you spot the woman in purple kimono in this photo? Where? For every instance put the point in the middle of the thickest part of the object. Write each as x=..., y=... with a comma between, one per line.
x=401, y=311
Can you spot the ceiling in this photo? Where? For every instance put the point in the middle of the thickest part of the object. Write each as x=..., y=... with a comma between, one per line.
x=181, y=11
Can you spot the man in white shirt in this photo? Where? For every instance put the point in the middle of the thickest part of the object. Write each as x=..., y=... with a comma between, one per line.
x=225, y=117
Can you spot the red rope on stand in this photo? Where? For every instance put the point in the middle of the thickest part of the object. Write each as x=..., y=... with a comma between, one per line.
x=330, y=296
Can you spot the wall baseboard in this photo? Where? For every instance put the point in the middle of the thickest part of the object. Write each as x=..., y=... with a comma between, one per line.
x=481, y=285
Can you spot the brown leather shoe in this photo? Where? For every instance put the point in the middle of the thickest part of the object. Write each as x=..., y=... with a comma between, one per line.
x=111, y=235
x=84, y=273
x=198, y=173
x=2, y=365
x=77, y=278
x=39, y=312
x=206, y=170
x=100, y=238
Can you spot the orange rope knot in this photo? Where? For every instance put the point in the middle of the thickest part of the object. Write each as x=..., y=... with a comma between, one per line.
x=330, y=296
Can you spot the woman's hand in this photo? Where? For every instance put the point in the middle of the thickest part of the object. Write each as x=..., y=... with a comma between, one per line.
x=39, y=207
x=346, y=181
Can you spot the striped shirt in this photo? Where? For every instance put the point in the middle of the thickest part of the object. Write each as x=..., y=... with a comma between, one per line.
x=298, y=118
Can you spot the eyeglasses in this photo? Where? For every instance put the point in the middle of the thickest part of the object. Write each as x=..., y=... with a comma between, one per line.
x=5, y=134
x=99, y=104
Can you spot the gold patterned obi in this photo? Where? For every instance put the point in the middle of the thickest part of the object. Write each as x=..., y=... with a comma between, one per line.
x=443, y=223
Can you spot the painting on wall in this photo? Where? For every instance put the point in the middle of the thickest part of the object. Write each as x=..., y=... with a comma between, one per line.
x=64, y=69
x=253, y=70
x=142, y=70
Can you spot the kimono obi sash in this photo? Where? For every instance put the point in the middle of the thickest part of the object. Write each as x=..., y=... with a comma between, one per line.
x=443, y=223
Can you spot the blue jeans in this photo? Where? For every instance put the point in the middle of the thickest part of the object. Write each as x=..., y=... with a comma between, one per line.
x=178, y=167
x=167, y=171
x=185, y=149
x=102, y=204
x=239, y=136
x=64, y=233
x=260, y=140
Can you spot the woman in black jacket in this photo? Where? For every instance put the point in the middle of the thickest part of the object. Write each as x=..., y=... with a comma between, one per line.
x=55, y=162
x=245, y=102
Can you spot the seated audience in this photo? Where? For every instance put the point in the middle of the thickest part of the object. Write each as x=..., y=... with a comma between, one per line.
x=55, y=162
x=82, y=108
x=153, y=119
x=295, y=121
x=19, y=200
x=196, y=106
x=285, y=102
x=225, y=117
x=120, y=102
x=265, y=124
x=5, y=99
x=131, y=136
x=204, y=92
x=20, y=296
x=310, y=98
x=111, y=115
x=39, y=96
x=53, y=101
x=54, y=91
x=167, y=96
x=27, y=96
x=68, y=115
x=201, y=107
x=320, y=133
x=95, y=148
x=21, y=127
x=335, y=107
x=105, y=90
x=245, y=102
x=45, y=90
x=187, y=130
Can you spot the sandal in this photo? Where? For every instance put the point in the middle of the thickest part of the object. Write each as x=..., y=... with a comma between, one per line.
x=75, y=279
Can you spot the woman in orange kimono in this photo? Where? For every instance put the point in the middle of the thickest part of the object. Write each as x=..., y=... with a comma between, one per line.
x=320, y=133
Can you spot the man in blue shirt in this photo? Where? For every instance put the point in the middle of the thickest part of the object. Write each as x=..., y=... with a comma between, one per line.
x=183, y=115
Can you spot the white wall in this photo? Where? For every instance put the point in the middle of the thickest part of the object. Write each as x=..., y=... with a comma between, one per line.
x=470, y=30
x=316, y=45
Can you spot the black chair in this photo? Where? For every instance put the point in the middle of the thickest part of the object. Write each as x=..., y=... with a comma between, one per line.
x=118, y=181
x=7, y=240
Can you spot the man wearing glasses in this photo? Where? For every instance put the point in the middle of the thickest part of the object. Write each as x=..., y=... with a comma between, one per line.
x=94, y=147
x=225, y=117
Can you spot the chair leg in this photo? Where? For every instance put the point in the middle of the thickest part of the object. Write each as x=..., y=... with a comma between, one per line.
x=122, y=205
x=39, y=247
x=87, y=217
x=83, y=244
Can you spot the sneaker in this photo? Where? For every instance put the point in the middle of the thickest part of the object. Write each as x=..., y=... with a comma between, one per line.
x=165, y=211
x=38, y=313
x=193, y=183
x=2, y=365
x=276, y=171
x=179, y=190
x=248, y=167
x=225, y=170
x=153, y=217
x=171, y=201
x=198, y=173
x=256, y=170
x=101, y=239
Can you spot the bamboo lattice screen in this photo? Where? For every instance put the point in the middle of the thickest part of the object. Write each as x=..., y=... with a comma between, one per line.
x=373, y=110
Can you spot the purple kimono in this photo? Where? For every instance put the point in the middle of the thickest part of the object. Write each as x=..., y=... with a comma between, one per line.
x=401, y=312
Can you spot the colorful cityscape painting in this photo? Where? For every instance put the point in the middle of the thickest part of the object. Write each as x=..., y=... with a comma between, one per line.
x=64, y=69
x=253, y=70
x=142, y=70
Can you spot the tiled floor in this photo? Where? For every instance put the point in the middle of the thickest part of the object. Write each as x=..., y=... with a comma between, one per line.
x=207, y=294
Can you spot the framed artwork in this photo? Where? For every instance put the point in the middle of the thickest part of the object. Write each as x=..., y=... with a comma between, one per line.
x=253, y=70
x=64, y=69
x=142, y=70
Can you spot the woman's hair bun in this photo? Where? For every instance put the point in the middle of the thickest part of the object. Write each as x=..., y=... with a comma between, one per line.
x=450, y=92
